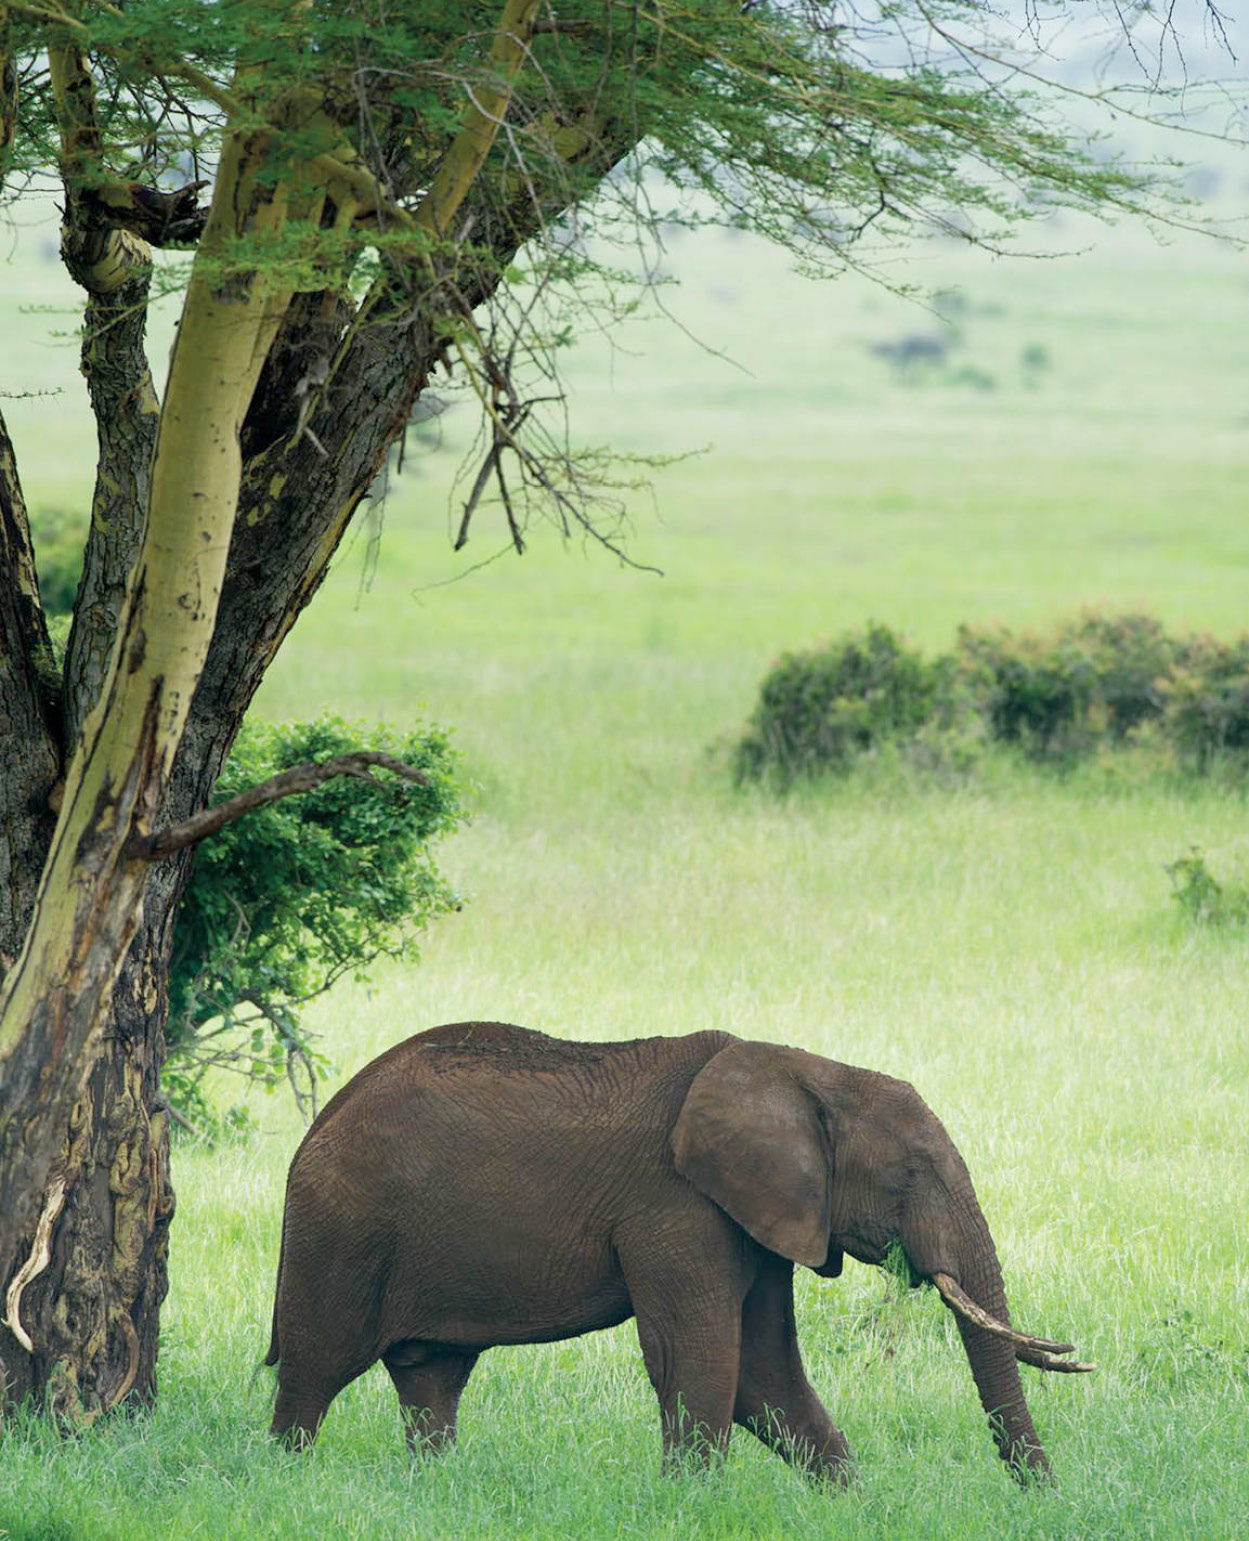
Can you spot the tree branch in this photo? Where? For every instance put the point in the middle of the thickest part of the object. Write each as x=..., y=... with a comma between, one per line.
x=159, y=217
x=103, y=250
x=467, y=154
x=300, y=778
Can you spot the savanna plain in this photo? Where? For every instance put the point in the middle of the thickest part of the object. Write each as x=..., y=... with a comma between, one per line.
x=1005, y=940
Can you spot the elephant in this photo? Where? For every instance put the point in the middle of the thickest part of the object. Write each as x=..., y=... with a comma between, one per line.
x=483, y=1184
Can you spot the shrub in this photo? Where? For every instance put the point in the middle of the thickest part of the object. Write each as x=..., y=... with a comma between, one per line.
x=820, y=711
x=1095, y=682
x=1131, y=656
x=1028, y=694
x=288, y=899
x=1202, y=897
x=1206, y=700
x=1059, y=696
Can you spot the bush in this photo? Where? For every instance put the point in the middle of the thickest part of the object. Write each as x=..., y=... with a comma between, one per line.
x=1206, y=700
x=1060, y=696
x=1096, y=682
x=1202, y=897
x=288, y=899
x=822, y=710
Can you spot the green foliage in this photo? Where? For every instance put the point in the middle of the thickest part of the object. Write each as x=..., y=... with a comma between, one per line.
x=773, y=112
x=1095, y=682
x=820, y=711
x=58, y=537
x=1207, y=700
x=1057, y=696
x=1202, y=897
x=288, y=899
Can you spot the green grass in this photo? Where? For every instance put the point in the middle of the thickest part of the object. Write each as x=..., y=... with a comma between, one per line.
x=1010, y=945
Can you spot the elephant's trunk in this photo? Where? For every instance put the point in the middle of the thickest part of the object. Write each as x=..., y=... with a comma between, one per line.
x=958, y=1254
x=995, y=1368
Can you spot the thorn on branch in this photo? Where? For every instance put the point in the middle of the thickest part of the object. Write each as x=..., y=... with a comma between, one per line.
x=300, y=778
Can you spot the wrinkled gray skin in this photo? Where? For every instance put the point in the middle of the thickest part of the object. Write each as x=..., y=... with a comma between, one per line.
x=484, y=1184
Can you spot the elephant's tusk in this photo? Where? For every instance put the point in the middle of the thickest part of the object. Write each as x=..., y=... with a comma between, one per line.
x=957, y=1298
x=1043, y=1361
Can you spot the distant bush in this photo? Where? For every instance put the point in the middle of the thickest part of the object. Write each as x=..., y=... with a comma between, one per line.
x=1094, y=683
x=1060, y=695
x=290, y=898
x=1206, y=700
x=820, y=711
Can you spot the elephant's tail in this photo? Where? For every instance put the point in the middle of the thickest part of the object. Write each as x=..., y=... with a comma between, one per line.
x=275, y=1350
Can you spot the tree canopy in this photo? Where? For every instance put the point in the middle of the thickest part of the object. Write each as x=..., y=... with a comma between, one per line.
x=451, y=137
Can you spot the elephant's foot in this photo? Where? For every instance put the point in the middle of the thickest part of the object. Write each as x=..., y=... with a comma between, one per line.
x=296, y=1419
x=807, y=1439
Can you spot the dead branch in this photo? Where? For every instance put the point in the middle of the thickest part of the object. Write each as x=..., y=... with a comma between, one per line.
x=300, y=778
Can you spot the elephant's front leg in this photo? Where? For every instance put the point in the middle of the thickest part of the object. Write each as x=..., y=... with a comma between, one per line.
x=690, y=1336
x=775, y=1401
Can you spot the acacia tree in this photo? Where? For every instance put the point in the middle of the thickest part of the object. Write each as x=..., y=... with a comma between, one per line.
x=364, y=193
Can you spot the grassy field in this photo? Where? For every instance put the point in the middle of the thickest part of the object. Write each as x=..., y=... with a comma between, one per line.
x=1008, y=945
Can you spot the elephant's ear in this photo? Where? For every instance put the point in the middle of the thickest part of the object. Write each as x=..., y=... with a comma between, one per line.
x=749, y=1137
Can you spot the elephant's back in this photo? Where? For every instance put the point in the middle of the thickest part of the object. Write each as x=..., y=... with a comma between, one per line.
x=459, y=1060
x=492, y=1091
x=399, y=1071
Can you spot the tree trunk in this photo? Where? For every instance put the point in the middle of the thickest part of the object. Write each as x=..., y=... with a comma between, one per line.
x=91, y=1311
x=57, y=998
x=29, y=716
x=93, y=1314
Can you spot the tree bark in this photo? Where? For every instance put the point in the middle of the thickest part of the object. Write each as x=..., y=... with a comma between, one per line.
x=127, y=415
x=29, y=715
x=92, y=1315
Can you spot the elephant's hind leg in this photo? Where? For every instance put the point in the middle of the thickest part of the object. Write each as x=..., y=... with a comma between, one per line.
x=775, y=1401
x=429, y=1378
